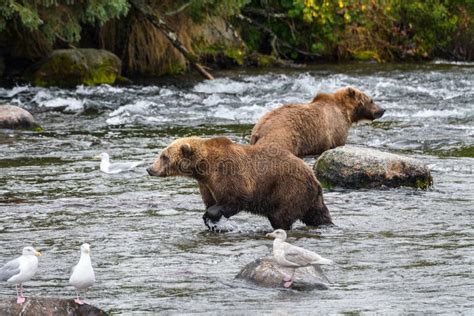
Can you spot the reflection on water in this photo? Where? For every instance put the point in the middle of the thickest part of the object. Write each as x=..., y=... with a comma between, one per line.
x=396, y=251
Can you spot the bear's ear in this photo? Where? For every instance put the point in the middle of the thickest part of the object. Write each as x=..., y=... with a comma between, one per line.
x=351, y=92
x=186, y=150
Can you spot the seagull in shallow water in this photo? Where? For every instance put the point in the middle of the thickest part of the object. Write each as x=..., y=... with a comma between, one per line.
x=107, y=167
x=20, y=270
x=287, y=255
x=82, y=276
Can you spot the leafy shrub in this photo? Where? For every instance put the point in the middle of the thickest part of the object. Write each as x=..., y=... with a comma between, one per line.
x=363, y=29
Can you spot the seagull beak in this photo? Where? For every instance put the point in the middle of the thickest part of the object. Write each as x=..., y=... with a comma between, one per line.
x=96, y=157
x=37, y=253
x=270, y=235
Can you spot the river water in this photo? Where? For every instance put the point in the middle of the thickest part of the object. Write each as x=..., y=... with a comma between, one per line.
x=396, y=250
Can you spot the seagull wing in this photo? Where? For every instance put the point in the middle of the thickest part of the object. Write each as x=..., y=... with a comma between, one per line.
x=123, y=166
x=73, y=268
x=10, y=269
x=72, y=272
x=137, y=163
x=303, y=257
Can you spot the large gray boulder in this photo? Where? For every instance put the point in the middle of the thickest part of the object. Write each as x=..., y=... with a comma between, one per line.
x=267, y=273
x=356, y=167
x=72, y=67
x=47, y=306
x=14, y=117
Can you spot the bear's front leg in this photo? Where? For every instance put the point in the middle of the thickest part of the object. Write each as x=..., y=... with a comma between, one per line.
x=214, y=214
x=280, y=220
x=206, y=195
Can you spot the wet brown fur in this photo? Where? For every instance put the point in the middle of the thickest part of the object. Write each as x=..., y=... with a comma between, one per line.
x=261, y=180
x=322, y=124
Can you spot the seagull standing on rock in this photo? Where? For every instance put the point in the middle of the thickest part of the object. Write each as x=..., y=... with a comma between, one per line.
x=20, y=270
x=107, y=167
x=82, y=276
x=289, y=256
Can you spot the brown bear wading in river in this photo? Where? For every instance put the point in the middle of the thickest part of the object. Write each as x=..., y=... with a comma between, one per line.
x=322, y=124
x=258, y=179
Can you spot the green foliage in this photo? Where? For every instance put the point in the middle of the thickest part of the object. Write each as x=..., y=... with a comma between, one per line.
x=200, y=9
x=302, y=30
x=428, y=24
x=64, y=20
x=363, y=29
x=59, y=19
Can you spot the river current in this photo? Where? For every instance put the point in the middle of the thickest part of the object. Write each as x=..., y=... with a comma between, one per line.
x=396, y=250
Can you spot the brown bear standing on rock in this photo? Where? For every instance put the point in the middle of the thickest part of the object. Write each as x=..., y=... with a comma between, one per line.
x=258, y=179
x=322, y=124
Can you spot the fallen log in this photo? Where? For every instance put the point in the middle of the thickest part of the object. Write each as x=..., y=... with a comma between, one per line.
x=171, y=35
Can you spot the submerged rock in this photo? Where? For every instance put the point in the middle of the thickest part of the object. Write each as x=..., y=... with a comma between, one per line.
x=355, y=167
x=14, y=117
x=266, y=272
x=72, y=67
x=47, y=306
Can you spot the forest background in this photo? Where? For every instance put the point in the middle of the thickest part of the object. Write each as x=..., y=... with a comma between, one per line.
x=236, y=32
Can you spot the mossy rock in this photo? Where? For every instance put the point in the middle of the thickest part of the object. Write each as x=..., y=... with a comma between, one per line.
x=222, y=57
x=355, y=167
x=72, y=67
x=262, y=60
x=236, y=54
x=367, y=55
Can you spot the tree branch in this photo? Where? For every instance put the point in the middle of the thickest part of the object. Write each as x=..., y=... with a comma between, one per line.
x=178, y=10
x=264, y=12
x=171, y=35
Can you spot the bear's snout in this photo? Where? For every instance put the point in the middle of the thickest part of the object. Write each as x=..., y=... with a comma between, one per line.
x=379, y=113
x=150, y=171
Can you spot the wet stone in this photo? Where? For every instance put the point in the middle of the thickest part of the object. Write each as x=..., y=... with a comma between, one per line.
x=355, y=167
x=47, y=306
x=267, y=273
x=14, y=117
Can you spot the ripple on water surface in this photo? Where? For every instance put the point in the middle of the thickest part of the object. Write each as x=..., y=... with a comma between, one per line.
x=396, y=250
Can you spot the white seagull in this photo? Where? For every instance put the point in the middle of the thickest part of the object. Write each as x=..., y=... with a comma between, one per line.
x=82, y=276
x=107, y=167
x=287, y=255
x=20, y=270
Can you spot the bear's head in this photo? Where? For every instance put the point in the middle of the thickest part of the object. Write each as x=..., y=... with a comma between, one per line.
x=359, y=105
x=182, y=157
